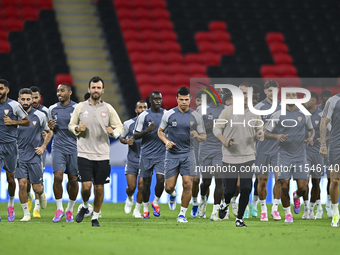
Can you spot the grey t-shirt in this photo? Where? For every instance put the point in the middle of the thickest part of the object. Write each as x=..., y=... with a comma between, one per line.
x=134, y=149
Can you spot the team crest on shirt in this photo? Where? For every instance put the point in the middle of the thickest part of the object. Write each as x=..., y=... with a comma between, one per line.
x=86, y=114
x=103, y=114
x=210, y=117
x=316, y=122
x=174, y=123
x=299, y=118
x=71, y=114
x=6, y=111
x=191, y=122
x=34, y=122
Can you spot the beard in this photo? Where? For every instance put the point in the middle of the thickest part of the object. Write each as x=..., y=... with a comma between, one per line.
x=95, y=96
x=2, y=96
x=26, y=106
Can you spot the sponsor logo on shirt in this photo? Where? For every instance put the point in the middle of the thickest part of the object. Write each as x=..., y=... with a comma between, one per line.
x=34, y=122
x=103, y=114
x=191, y=122
x=316, y=122
x=6, y=111
x=299, y=118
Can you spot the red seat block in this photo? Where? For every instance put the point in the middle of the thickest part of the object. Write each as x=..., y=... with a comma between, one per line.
x=63, y=78
x=217, y=26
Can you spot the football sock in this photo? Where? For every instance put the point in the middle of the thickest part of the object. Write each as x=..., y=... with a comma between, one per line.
x=335, y=208
x=311, y=206
x=130, y=198
x=263, y=206
x=70, y=205
x=86, y=204
x=318, y=205
x=60, y=204
x=276, y=203
x=138, y=206
x=146, y=207
x=329, y=200
x=215, y=209
x=287, y=210
x=25, y=208
x=194, y=201
x=29, y=195
x=203, y=198
x=95, y=215
x=255, y=200
x=305, y=202
x=155, y=201
x=11, y=202
x=296, y=196
x=173, y=194
x=37, y=205
x=182, y=211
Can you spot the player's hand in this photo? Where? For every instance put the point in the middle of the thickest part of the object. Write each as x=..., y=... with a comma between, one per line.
x=169, y=144
x=281, y=137
x=82, y=127
x=39, y=150
x=194, y=134
x=229, y=143
x=109, y=130
x=323, y=151
x=43, y=134
x=51, y=123
x=260, y=135
x=309, y=141
x=318, y=139
x=151, y=127
x=130, y=141
x=8, y=121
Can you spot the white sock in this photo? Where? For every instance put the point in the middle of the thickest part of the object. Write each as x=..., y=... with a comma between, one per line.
x=59, y=204
x=275, y=206
x=146, y=206
x=194, y=201
x=263, y=206
x=233, y=200
x=296, y=196
x=287, y=210
x=130, y=198
x=203, y=199
x=11, y=202
x=137, y=207
x=335, y=208
x=155, y=201
x=255, y=200
x=37, y=205
x=25, y=208
x=329, y=200
x=29, y=195
x=305, y=202
x=182, y=211
x=318, y=205
x=215, y=209
x=95, y=215
x=70, y=205
x=86, y=204
x=173, y=194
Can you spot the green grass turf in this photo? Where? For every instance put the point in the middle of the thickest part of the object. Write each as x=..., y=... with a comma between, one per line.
x=122, y=234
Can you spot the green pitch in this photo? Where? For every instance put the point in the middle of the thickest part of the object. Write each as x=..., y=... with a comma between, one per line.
x=122, y=234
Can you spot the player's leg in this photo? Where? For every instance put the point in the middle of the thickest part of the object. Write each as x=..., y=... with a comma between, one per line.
x=253, y=205
x=315, y=195
x=29, y=195
x=217, y=197
x=35, y=173
x=159, y=188
x=233, y=199
x=24, y=199
x=302, y=188
x=334, y=192
x=328, y=206
x=58, y=166
x=305, y=202
x=262, y=194
x=285, y=198
x=277, y=196
x=136, y=212
x=11, y=191
x=186, y=197
x=146, y=170
x=131, y=180
x=195, y=191
x=205, y=184
x=170, y=174
x=72, y=184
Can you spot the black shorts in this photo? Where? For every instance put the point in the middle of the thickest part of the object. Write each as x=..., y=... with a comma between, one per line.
x=96, y=171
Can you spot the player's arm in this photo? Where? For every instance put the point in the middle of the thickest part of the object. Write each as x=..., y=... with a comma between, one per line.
x=162, y=126
x=323, y=133
x=122, y=137
x=259, y=129
x=219, y=124
x=138, y=133
x=199, y=133
x=74, y=126
x=40, y=150
x=271, y=125
x=116, y=127
x=24, y=122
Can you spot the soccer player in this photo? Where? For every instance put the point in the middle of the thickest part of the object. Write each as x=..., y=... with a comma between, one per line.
x=315, y=161
x=64, y=152
x=325, y=95
x=152, y=152
x=266, y=155
x=36, y=105
x=132, y=162
x=31, y=150
x=10, y=111
x=182, y=124
x=92, y=121
x=292, y=152
x=211, y=155
x=238, y=149
x=331, y=113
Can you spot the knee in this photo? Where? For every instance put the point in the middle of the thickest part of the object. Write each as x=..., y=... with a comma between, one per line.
x=284, y=189
x=10, y=180
x=22, y=187
x=263, y=183
x=169, y=188
x=37, y=189
x=58, y=178
x=132, y=186
x=195, y=181
x=99, y=189
x=206, y=182
x=160, y=180
x=335, y=183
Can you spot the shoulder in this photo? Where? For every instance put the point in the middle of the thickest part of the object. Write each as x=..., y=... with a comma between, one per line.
x=276, y=115
x=260, y=105
x=53, y=106
x=41, y=115
x=73, y=104
x=44, y=109
x=129, y=122
x=167, y=114
x=13, y=103
x=195, y=114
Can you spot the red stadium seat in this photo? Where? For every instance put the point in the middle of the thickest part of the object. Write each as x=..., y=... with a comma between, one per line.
x=119, y=4
x=168, y=90
x=182, y=80
x=125, y=13
x=206, y=47
x=196, y=69
x=268, y=70
x=202, y=37
x=169, y=101
x=138, y=58
x=27, y=3
x=167, y=36
x=128, y=24
x=142, y=13
x=284, y=70
x=29, y=13
x=278, y=48
x=173, y=58
x=131, y=35
x=274, y=37
x=45, y=4
x=219, y=36
x=156, y=57
x=334, y=90
x=290, y=82
x=217, y=26
x=151, y=46
x=63, y=78
x=282, y=59
x=145, y=90
x=171, y=47
x=5, y=46
x=144, y=79
x=177, y=69
x=139, y=4
x=134, y=47
x=163, y=79
x=141, y=69
x=8, y=3
x=2, y=25
x=11, y=13
x=154, y=4
x=191, y=58
x=146, y=24
x=149, y=35
x=225, y=48
x=160, y=14
x=318, y=90
x=159, y=69
x=3, y=35
x=211, y=59
x=161, y=25
x=14, y=25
